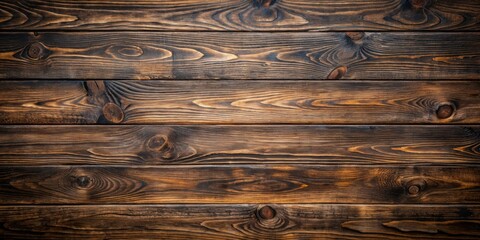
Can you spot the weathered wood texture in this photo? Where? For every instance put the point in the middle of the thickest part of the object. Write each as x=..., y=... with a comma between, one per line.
x=274, y=130
x=239, y=184
x=162, y=145
x=230, y=55
x=243, y=15
x=241, y=222
x=239, y=102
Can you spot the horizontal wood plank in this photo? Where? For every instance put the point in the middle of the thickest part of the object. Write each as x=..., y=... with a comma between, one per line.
x=239, y=102
x=164, y=145
x=239, y=184
x=240, y=15
x=233, y=55
x=241, y=222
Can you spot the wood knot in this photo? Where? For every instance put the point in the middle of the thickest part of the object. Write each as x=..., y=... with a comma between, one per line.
x=160, y=147
x=413, y=190
x=355, y=36
x=36, y=50
x=414, y=187
x=445, y=111
x=266, y=213
x=337, y=73
x=263, y=3
x=113, y=113
x=269, y=219
x=83, y=181
x=157, y=143
x=419, y=4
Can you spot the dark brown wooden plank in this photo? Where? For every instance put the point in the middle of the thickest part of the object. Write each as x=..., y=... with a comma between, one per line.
x=162, y=145
x=233, y=55
x=243, y=15
x=234, y=102
x=241, y=222
x=239, y=184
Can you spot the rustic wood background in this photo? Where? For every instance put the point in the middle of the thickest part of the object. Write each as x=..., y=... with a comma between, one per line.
x=240, y=119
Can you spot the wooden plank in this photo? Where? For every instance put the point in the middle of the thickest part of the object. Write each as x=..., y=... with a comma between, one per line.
x=241, y=222
x=239, y=184
x=233, y=55
x=239, y=102
x=240, y=15
x=163, y=145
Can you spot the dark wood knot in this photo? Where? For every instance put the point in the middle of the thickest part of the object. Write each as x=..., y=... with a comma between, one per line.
x=266, y=213
x=36, y=50
x=419, y=4
x=263, y=3
x=355, y=36
x=113, y=113
x=159, y=146
x=157, y=143
x=413, y=190
x=414, y=187
x=445, y=111
x=83, y=181
x=269, y=219
x=337, y=73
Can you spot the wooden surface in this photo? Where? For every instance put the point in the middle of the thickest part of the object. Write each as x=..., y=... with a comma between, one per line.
x=240, y=15
x=240, y=119
x=239, y=102
x=241, y=222
x=175, y=145
x=239, y=184
x=233, y=55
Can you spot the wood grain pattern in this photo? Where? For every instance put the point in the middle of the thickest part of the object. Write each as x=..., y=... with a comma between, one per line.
x=234, y=102
x=204, y=153
x=239, y=184
x=163, y=145
x=240, y=222
x=240, y=15
x=231, y=55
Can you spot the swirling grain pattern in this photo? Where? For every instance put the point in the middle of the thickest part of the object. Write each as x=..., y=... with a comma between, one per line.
x=232, y=55
x=183, y=145
x=239, y=102
x=240, y=15
x=28, y=102
x=300, y=221
x=239, y=184
x=293, y=152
